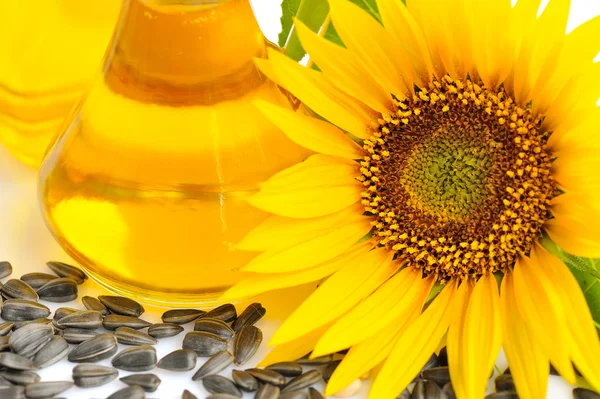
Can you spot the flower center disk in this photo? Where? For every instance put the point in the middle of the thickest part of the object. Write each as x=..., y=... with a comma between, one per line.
x=458, y=179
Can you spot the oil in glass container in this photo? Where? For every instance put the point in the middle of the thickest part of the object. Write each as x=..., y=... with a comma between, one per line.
x=49, y=50
x=148, y=186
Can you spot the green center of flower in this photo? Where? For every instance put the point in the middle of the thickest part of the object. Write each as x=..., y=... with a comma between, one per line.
x=446, y=178
x=458, y=180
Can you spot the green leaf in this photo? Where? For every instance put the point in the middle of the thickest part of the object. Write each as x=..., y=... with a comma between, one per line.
x=311, y=12
x=586, y=272
x=289, y=8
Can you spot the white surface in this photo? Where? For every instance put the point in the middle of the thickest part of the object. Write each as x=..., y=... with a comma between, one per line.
x=25, y=241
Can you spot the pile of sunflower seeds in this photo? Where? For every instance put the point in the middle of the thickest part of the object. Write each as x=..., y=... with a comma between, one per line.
x=30, y=340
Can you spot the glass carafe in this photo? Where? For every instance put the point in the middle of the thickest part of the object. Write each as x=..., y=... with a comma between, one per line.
x=49, y=50
x=148, y=186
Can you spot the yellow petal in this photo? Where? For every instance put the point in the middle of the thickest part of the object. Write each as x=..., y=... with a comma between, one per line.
x=282, y=232
x=313, y=250
x=536, y=56
x=362, y=275
x=396, y=299
x=576, y=170
x=454, y=339
x=293, y=350
x=406, y=31
x=415, y=345
x=319, y=186
x=363, y=357
x=254, y=284
x=311, y=88
x=341, y=67
x=585, y=350
x=371, y=44
x=312, y=133
x=574, y=225
x=474, y=340
x=540, y=306
x=528, y=364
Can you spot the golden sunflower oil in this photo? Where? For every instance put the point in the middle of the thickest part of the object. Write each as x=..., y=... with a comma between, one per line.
x=147, y=187
x=49, y=50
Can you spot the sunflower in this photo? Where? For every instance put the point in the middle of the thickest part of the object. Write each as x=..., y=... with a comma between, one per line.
x=451, y=139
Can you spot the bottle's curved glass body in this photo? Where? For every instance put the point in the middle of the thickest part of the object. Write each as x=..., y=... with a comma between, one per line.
x=49, y=50
x=147, y=187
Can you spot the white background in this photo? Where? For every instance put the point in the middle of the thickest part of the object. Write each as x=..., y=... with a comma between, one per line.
x=25, y=241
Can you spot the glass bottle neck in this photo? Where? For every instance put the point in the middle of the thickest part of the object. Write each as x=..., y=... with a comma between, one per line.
x=180, y=51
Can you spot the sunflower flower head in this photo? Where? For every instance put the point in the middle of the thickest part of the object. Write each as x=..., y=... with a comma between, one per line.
x=452, y=139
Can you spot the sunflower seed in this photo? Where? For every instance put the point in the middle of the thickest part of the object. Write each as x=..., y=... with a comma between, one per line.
x=443, y=357
x=447, y=392
x=36, y=280
x=121, y=305
x=16, y=362
x=582, y=393
x=12, y=393
x=5, y=383
x=55, y=350
x=39, y=390
x=505, y=383
x=85, y=319
x=78, y=335
x=225, y=312
x=246, y=344
x=249, y=316
x=6, y=327
x=293, y=395
x=5, y=269
x=62, y=312
x=221, y=396
x=64, y=270
x=114, y=321
x=503, y=395
x=181, y=316
x=129, y=336
x=59, y=290
x=92, y=375
x=317, y=361
x=303, y=381
x=203, y=343
x=179, y=360
x=164, y=330
x=28, y=341
x=188, y=395
x=418, y=390
x=22, y=309
x=330, y=369
x=18, y=289
x=267, y=391
x=92, y=303
x=217, y=363
x=132, y=392
x=314, y=394
x=288, y=369
x=245, y=380
x=433, y=390
x=94, y=349
x=214, y=326
x=20, y=377
x=267, y=376
x=439, y=375
x=20, y=324
x=148, y=382
x=433, y=361
x=220, y=384
x=137, y=358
